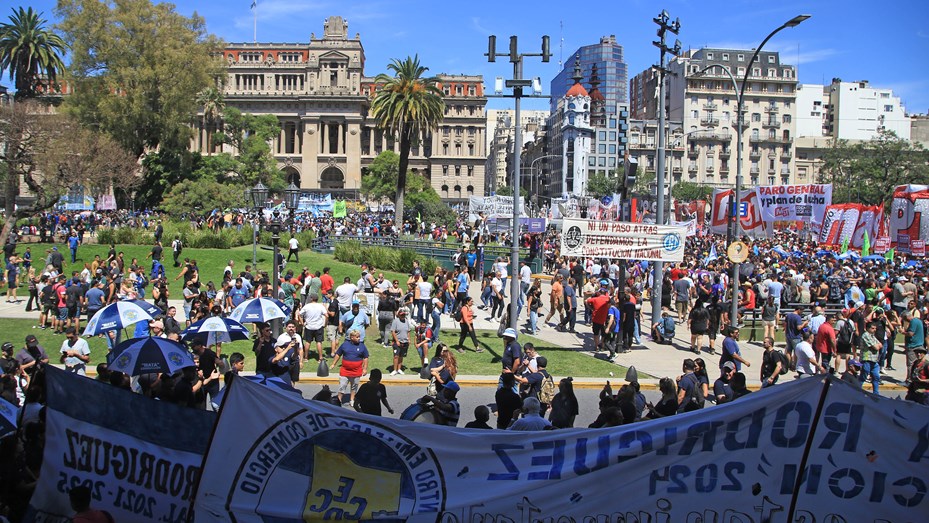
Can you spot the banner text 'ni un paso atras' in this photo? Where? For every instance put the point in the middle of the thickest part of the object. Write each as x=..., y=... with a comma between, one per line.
x=808, y=450
x=622, y=240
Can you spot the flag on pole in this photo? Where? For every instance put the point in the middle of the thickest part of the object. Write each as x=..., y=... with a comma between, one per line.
x=712, y=256
x=338, y=209
x=889, y=255
x=865, y=245
x=844, y=246
x=254, y=4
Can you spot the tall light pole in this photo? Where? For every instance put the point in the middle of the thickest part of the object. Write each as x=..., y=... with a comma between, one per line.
x=735, y=208
x=664, y=25
x=517, y=83
x=259, y=195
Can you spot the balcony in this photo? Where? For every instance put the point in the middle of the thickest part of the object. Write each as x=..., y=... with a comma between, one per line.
x=754, y=155
x=709, y=107
x=771, y=109
x=771, y=125
x=785, y=171
x=771, y=171
x=710, y=168
x=693, y=153
x=710, y=153
x=786, y=155
x=769, y=139
x=772, y=155
x=753, y=170
x=724, y=171
x=677, y=170
x=692, y=169
x=725, y=153
x=709, y=122
x=711, y=136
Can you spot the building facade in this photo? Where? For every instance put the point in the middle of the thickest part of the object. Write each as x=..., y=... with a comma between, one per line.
x=858, y=111
x=321, y=95
x=643, y=95
x=500, y=137
x=705, y=101
x=812, y=110
x=607, y=57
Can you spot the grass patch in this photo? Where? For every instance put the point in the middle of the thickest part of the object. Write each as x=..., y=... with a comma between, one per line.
x=211, y=261
x=561, y=361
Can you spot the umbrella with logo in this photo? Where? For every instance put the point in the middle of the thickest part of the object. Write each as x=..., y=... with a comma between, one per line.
x=119, y=315
x=216, y=329
x=149, y=355
x=272, y=382
x=7, y=418
x=258, y=310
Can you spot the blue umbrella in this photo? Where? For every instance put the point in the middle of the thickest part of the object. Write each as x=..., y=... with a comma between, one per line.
x=825, y=253
x=149, y=355
x=873, y=258
x=272, y=382
x=7, y=418
x=798, y=254
x=780, y=251
x=258, y=310
x=216, y=329
x=120, y=315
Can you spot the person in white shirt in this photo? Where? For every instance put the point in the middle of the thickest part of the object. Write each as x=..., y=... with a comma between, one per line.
x=313, y=316
x=806, y=358
x=229, y=271
x=345, y=293
x=75, y=353
x=293, y=249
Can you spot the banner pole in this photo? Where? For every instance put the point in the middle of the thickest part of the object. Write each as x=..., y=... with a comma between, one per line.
x=807, y=449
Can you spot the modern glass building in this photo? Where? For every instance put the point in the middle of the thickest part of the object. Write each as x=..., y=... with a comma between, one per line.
x=611, y=69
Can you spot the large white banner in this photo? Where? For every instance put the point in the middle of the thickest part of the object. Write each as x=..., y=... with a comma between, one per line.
x=909, y=216
x=140, y=458
x=622, y=240
x=817, y=446
x=849, y=222
x=493, y=206
x=750, y=220
x=805, y=203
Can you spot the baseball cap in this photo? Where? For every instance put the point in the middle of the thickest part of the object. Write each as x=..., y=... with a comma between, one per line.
x=919, y=349
x=453, y=386
x=31, y=340
x=7, y=347
x=510, y=333
x=729, y=365
x=855, y=363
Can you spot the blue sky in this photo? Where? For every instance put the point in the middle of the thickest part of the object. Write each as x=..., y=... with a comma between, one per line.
x=885, y=42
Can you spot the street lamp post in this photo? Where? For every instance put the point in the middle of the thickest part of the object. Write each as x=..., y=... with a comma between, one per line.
x=735, y=207
x=259, y=195
x=292, y=201
x=664, y=25
x=517, y=83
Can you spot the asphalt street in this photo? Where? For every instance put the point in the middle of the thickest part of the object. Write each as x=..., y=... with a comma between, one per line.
x=402, y=396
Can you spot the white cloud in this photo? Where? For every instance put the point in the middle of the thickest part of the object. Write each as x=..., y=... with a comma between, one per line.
x=476, y=25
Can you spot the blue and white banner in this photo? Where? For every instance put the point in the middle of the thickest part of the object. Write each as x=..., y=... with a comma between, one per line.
x=622, y=240
x=140, y=457
x=810, y=450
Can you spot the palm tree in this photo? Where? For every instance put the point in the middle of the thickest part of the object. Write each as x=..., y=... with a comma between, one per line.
x=407, y=105
x=28, y=50
x=211, y=100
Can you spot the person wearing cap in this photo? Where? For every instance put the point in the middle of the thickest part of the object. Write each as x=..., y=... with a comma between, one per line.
x=850, y=376
x=157, y=329
x=446, y=404
x=722, y=391
x=354, y=320
x=32, y=355
x=870, y=355
x=512, y=354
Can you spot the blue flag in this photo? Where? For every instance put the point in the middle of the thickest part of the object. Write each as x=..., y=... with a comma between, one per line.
x=712, y=256
x=254, y=4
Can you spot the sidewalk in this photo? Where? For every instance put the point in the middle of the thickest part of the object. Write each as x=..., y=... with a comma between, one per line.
x=648, y=358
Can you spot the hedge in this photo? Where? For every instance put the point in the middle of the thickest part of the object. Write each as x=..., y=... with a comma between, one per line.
x=196, y=238
x=386, y=258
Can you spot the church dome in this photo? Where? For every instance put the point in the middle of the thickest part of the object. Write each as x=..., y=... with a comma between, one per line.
x=577, y=90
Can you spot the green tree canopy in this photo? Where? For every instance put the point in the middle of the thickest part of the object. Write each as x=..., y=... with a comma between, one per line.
x=28, y=50
x=867, y=172
x=250, y=135
x=407, y=105
x=600, y=185
x=507, y=190
x=689, y=191
x=379, y=180
x=136, y=69
x=202, y=195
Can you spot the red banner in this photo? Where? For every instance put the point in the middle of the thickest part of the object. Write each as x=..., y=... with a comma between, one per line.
x=849, y=221
x=918, y=248
x=882, y=245
x=750, y=222
x=909, y=216
x=688, y=211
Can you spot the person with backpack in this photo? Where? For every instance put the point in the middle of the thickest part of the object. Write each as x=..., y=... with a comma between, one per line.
x=773, y=364
x=846, y=332
x=539, y=384
x=688, y=389
x=177, y=247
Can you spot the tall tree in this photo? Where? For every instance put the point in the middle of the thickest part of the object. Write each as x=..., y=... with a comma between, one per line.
x=211, y=102
x=250, y=135
x=28, y=51
x=51, y=153
x=867, y=171
x=136, y=69
x=407, y=105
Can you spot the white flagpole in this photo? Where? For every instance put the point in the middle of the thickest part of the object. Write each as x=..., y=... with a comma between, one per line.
x=255, y=14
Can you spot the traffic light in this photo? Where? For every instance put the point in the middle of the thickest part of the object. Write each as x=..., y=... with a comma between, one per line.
x=622, y=129
x=546, y=49
x=492, y=48
x=514, y=53
x=632, y=169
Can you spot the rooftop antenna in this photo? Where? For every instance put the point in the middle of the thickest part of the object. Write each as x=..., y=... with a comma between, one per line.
x=561, y=44
x=255, y=15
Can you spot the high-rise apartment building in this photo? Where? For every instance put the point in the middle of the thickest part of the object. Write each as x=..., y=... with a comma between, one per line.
x=643, y=95
x=812, y=110
x=607, y=58
x=322, y=97
x=705, y=101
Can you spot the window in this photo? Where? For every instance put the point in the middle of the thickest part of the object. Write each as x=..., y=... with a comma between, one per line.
x=770, y=58
x=612, y=136
x=601, y=136
x=786, y=118
x=772, y=72
x=888, y=108
x=445, y=173
x=756, y=71
x=470, y=93
x=709, y=56
x=725, y=116
x=612, y=148
x=755, y=134
x=602, y=161
x=471, y=131
x=612, y=162
x=695, y=114
x=470, y=173
x=725, y=57
x=725, y=101
x=756, y=117
x=741, y=71
x=612, y=123
x=457, y=173
x=740, y=57
x=591, y=162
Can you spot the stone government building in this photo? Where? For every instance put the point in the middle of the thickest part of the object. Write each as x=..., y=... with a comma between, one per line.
x=322, y=97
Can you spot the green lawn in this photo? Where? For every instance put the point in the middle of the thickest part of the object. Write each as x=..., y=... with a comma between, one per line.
x=561, y=361
x=210, y=261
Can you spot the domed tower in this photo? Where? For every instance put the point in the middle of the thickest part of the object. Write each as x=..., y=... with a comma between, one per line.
x=577, y=135
x=597, y=100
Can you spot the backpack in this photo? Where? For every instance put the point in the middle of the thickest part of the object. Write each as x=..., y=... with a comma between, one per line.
x=697, y=400
x=48, y=296
x=785, y=363
x=458, y=316
x=547, y=392
x=846, y=331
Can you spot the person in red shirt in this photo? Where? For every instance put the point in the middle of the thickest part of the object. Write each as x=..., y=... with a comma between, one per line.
x=325, y=281
x=600, y=304
x=747, y=303
x=824, y=343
